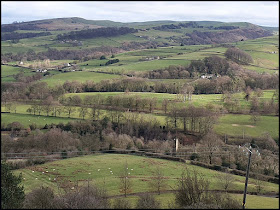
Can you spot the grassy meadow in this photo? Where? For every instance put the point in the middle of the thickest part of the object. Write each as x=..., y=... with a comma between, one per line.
x=235, y=124
x=26, y=119
x=80, y=76
x=105, y=169
x=10, y=70
x=261, y=50
x=197, y=99
x=7, y=73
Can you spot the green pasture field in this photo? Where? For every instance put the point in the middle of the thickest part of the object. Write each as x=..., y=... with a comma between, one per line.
x=92, y=64
x=24, y=116
x=59, y=62
x=80, y=76
x=26, y=119
x=18, y=48
x=260, y=49
x=165, y=51
x=85, y=168
x=200, y=100
x=129, y=61
x=260, y=42
x=100, y=41
x=234, y=124
x=199, y=55
x=156, y=33
x=10, y=70
x=52, y=62
x=8, y=79
x=36, y=44
x=265, y=60
x=127, y=38
x=7, y=72
x=259, y=46
x=143, y=66
x=159, y=96
x=258, y=202
x=260, y=69
x=197, y=100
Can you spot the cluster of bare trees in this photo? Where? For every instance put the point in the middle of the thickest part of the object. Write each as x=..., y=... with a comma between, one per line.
x=237, y=54
x=91, y=197
x=257, y=106
x=27, y=79
x=171, y=72
x=193, y=119
x=132, y=102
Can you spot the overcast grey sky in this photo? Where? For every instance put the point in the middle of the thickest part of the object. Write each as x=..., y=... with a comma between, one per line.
x=265, y=13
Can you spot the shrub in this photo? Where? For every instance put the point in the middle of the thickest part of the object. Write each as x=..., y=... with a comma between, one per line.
x=147, y=201
x=122, y=204
x=194, y=156
x=41, y=198
x=217, y=168
x=64, y=154
x=102, y=57
x=33, y=126
x=191, y=188
x=89, y=197
x=193, y=194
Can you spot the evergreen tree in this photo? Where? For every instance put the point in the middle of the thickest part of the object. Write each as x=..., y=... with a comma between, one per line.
x=12, y=194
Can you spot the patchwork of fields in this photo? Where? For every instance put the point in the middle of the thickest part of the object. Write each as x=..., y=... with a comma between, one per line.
x=105, y=169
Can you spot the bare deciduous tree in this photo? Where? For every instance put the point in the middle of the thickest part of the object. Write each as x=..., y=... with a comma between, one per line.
x=158, y=182
x=165, y=103
x=125, y=181
x=69, y=110
x=225, y=180
x=212, y=143
x=83, y=111
x=255, y=116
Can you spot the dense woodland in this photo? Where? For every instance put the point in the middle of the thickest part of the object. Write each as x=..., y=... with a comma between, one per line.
x=179, y=26
x=99, y=32
x=17, y=36
x=18, y=26
x=198, y=37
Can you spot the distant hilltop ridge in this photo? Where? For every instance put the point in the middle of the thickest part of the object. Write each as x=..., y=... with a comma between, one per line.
x=77, y=23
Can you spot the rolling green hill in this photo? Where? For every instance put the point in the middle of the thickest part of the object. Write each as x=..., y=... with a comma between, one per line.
x=107, y=168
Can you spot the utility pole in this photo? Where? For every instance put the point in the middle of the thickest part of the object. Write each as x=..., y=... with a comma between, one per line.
x=250, y=151
x=246, y=181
